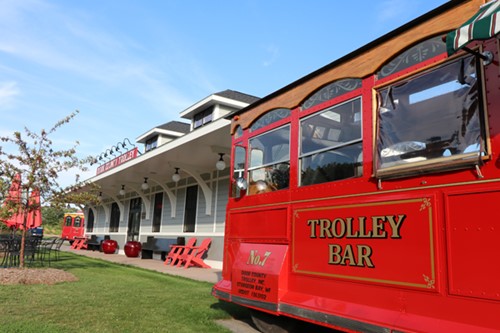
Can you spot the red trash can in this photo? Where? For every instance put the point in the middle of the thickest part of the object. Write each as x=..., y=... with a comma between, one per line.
x=109, y=246
x=132, y=249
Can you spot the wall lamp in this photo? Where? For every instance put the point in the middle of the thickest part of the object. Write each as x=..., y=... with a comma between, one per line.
x=176, y=177
x=145, y=185
x=122, y=191
x=110, y=152
x=220, y=165
x=99, y=197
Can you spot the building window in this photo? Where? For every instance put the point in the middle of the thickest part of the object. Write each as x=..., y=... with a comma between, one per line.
x=114, y=222
x=204, y=117
x=157, y=212
x=134, y=219
x=152, y=143
x=431, y=121
x=331, y=144
x=190, y=208
x=90, y=221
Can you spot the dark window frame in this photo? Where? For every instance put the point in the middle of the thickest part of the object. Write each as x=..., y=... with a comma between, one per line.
x=157, y=212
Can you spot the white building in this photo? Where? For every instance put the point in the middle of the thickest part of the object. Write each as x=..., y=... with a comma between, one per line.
x=140, y=199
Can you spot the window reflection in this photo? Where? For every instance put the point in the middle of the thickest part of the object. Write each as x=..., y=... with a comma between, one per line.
x=269, y=165
x=431, y=117
x=331, y=146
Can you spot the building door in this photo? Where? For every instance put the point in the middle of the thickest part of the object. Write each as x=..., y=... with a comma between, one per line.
x=114, y=222
x=190, y=208
x=134, y=219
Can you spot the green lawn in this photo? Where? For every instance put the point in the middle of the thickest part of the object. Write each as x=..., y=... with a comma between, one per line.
x=112, y=298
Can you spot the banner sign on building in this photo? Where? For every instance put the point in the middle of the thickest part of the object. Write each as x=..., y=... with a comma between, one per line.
x=125, y=157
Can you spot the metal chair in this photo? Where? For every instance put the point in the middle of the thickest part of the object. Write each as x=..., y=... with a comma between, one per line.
x=44, y=249
x=57, y=247
x=30, y=249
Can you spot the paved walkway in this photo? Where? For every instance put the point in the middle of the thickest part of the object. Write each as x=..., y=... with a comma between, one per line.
x=194, y=273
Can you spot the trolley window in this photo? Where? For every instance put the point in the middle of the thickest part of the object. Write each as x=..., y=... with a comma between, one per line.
x=431, y=121
x=239, y=160
x=330, y=147
x=78, y=221
x=269, y=162
x=68, y=221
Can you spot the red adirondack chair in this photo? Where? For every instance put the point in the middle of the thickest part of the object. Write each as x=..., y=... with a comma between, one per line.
x=194, y=257
x=178, y=250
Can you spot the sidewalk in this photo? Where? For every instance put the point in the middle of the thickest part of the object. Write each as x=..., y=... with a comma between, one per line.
x=194, y=273
x=200, y=274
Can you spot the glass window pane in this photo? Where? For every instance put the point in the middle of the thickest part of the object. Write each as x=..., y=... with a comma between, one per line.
x=330, y=147
x=271, y=147
x=239, y=168
x=69, y=219
x=332, y=127
x=269, y=161
x=331, y=165
x=431, y=116
x=269, y=118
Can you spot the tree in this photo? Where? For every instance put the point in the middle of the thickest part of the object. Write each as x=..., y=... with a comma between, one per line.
x=52, y=215
x=38, y=166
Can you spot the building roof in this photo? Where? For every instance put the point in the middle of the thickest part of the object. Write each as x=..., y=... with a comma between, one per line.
x=172, y=129
x=176, y=126
x=238, y=96
x=229, y=98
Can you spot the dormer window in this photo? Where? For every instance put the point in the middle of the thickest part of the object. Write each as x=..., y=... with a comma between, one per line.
x=204, y=117
x=152, y=143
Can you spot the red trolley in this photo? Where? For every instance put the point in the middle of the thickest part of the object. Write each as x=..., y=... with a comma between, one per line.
x=73, y=226
x=363, y=196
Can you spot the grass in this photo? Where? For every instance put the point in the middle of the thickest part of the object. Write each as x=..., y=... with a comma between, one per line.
x=112, y=298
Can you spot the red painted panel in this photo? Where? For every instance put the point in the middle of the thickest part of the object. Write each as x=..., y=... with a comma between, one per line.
x=474, y=234
x=269, y=223
x=256, y=271
x=368, y=242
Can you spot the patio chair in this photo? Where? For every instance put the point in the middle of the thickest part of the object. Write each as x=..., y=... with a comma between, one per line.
x=177, y=250
x=194, y=256
x=13, y=252
x=45, y=249
x=57, y=247
x=4, y=251
x=30, y=249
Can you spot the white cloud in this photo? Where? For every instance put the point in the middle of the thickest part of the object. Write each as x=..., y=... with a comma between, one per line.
x=72, y=41
x=273, y=52
x=389, y=10
x=8, y=92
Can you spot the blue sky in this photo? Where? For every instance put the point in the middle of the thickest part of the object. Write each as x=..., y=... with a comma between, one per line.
x=128, y=66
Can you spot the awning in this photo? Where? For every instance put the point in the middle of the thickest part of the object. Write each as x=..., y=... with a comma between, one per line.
x=484, y=24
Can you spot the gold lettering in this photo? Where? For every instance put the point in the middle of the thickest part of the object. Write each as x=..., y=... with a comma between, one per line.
x=325, y=226
x=364, y=253
x=349, y=256
x=378, y=227
x=334, y=256
x=362, y=231
x=396, y=226
x=312, y=224
x=341, y=230
x=349, y=232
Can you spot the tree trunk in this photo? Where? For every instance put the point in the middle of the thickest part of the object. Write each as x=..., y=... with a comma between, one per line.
x=23, y=242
